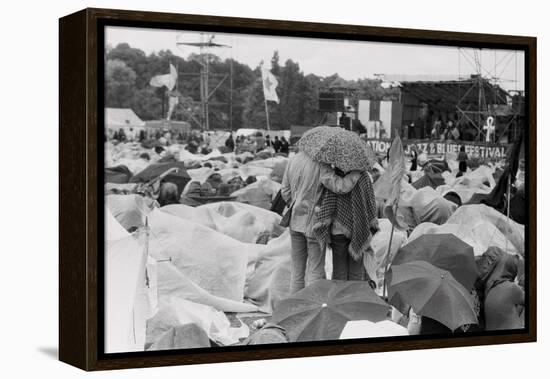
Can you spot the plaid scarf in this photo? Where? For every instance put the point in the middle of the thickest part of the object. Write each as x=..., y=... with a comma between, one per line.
x=354, y=212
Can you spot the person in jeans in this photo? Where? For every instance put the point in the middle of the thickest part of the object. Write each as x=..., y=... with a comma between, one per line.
x=346, y=221
x=301, y=189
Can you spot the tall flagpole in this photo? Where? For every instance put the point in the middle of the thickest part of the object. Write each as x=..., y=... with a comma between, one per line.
x=267, y=121
x=265, y=100
x=266, y=113
x=266, y=108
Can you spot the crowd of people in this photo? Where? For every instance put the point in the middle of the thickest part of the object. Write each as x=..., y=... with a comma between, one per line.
x=256, y=143
x=198, y=142
x=333, y=218
x=314, y=190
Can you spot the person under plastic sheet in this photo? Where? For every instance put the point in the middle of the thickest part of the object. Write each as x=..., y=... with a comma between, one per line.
x=502, y=298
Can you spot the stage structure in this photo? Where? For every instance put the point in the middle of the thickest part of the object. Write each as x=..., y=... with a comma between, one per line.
x=338, y=105
x=483, y=110
x=494, y=103
x=210, y=82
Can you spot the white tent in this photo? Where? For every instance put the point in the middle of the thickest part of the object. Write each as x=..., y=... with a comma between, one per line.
x=116, y=118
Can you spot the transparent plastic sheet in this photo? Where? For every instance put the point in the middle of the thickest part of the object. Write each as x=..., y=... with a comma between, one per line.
x=250, y=169
x=260, y=193
x=130, y=297
x=505, y=231
x=176, y=311
x=129, y=210
x=479, y=226
x=213, y=261
x=379, y=244
x=113, y=230
x=430, y=206
x=243, y=222
x=200, y=174
x=269, y=274
x=369, y=329
x=173, y=283
x=479, y=180
x=268, y=163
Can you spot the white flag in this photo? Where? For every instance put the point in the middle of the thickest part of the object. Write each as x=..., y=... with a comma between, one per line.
x=168, y=80
x=172, y=102
x=270, y=84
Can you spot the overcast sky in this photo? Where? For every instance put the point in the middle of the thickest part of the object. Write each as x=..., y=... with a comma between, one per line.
x=350, y=59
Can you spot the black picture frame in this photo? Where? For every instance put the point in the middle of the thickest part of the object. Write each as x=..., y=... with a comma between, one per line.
x=81, y=206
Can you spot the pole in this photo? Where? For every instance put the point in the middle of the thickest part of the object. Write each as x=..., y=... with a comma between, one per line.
x=387, y=258
x=206, y=89
x=508, y=207
x=266, y=114
x=146, y=251
x=231, y=96
x=386, y=264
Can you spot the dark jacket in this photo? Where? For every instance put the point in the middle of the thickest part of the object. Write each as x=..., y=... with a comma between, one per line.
x=230, y=143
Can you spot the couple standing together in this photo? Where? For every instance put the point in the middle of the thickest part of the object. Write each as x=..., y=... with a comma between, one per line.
x=332, y=208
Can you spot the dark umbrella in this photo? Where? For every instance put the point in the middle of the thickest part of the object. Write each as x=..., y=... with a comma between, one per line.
x=118, y=174
x=436, y=166
x=179, y=178
x=337, y=146
x=321, y=310
x=431, y=292
x=429, y=179
x=445, y=251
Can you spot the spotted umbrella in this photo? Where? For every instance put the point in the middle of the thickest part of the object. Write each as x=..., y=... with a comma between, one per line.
x=337, y=146
x=431, y=292
x=321, y=310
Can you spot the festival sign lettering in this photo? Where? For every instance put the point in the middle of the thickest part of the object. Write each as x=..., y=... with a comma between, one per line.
x=437, y=147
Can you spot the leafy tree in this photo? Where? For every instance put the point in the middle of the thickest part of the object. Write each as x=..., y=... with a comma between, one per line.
x=134, y=58
x=120, y=84
x=129, y=71
x=148, y=102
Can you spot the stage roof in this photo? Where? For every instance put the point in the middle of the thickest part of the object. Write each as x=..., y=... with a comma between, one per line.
x=451, y=93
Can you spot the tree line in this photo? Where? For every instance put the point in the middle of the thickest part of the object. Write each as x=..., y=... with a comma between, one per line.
x=128, y=71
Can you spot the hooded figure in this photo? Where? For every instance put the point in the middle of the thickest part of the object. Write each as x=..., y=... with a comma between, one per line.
x=503, y=299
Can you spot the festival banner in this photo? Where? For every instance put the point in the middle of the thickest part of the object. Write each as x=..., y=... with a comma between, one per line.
x=438, y=147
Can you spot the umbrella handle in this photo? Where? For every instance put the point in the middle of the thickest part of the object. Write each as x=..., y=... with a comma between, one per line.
x=162, y=176
x=148, y=187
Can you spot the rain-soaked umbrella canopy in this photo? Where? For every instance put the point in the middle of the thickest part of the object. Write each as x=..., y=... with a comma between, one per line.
x=435, y=166
x=179, y=177
x=119, y=174
x=429, y=179
x=431, y=292
x=321, y=310
x=337, y=146
x=445, y=251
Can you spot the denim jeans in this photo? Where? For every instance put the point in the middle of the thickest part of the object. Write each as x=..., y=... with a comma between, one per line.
x=307, y=261
x=344, y=267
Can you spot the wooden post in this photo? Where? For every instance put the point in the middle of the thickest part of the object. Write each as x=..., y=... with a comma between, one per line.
x=387, y=258
x=386, y=264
